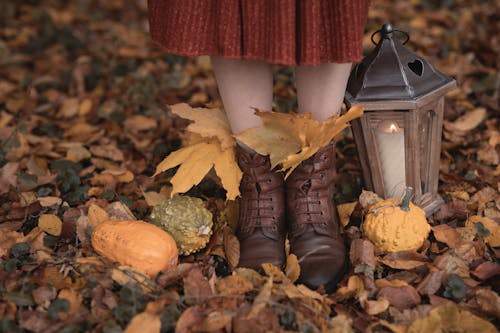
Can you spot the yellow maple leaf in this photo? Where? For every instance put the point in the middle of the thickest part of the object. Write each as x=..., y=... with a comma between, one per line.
x=290, y=138
x=208, y=123
x=210, y=145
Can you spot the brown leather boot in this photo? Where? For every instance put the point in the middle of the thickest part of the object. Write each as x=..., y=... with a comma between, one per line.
x=313, y=221
x=261, y=230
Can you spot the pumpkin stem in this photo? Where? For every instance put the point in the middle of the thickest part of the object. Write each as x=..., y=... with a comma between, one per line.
x=405, y=202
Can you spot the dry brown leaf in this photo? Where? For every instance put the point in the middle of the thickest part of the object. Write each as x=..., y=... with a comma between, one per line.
x=196, y=286
x=449, y=318
x=96, y=215
x=494, y=228
x=233, y=285
x=340, y=324
x=8, y=176
x=50, y=223
x=209, y=123
x=345, y=210
x=489, y=301
x=446, y=234
x=77, y=153
x=215, y=321
x=431, y=283
x=292, y=269
x=109, y=151
x=262, y=298
x=119, y=211
x=138, y=123
x=400, y=297
x=144, y=322
x=49, y=201
x=153, y=198
x=73, y=297
x=354, y=288
x=368, y=198
x=231, y=248
x=290, y=138
x=362, y=252
x=373, y=307
x=469, y=121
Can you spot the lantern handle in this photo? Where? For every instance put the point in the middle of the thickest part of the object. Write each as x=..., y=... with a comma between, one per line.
x=386, y=30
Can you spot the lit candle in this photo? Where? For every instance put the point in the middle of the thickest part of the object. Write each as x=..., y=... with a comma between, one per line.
x=391, y=146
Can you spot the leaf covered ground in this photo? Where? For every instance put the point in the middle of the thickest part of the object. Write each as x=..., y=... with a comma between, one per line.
x=84, y=122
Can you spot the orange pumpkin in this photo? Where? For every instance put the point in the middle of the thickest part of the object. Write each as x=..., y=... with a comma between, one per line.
x=394, y=225
x=137, y=244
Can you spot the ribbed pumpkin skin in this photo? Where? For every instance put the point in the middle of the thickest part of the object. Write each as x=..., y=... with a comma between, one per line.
x=187, y=220
x=392, y=229
x=137, y=244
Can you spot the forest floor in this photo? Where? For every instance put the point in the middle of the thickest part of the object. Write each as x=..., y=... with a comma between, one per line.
x=84, y=121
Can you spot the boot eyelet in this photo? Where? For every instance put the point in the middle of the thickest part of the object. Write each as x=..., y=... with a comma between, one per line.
x=269, y=181
x=322, y=175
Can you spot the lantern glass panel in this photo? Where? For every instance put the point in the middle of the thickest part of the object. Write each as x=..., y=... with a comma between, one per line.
x=426, y=134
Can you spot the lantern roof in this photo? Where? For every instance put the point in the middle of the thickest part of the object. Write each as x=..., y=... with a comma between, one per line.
x=392, y=72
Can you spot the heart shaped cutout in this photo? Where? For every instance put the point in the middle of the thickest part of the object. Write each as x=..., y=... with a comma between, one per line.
x=416, y=67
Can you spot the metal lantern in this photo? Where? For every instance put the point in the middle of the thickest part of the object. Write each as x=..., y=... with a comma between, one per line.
x=399, y=135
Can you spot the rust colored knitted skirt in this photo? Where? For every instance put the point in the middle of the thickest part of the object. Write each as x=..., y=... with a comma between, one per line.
x=285, y=32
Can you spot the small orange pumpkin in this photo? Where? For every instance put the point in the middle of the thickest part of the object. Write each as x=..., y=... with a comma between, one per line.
x=393, y=225
x=137, y=244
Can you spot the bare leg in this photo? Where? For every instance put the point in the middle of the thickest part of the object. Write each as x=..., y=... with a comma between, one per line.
x=243, y=85
x=320, y=89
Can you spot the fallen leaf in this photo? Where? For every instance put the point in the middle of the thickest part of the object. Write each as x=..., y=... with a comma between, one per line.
x=354, y=288
x=368, y=199
x=77, y=154
x=431, y=283
x=8, y=176
x=208, y=123
x=404, y=260
x=139, y=122
x=362, y=252
x=234, y=285
x=452, y=264
x=51, y=224
x=49, y=201
x=402, y=298
x=144, y=322
x=196, y=286
x=489, y=301
x=486, y=270
x=196, y=160
x=190, y=318
x=493, y=228
x=215, y=321
x=153, y=198
x=109, y=151
x=231, y=248
x=469, y=120
x=69, y=108
x=345, y=210
x=290, y=138
x=96, y=215
x=340, y=324
x=449, y=318
x=292, y=269
x=373, y=307
x=261, y=299
x=73, y=297
x=446, y=234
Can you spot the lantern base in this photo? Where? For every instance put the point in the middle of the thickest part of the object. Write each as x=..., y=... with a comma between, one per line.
x=432, y=205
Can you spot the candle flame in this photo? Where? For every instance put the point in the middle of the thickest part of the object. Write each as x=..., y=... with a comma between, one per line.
x=393, y=128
